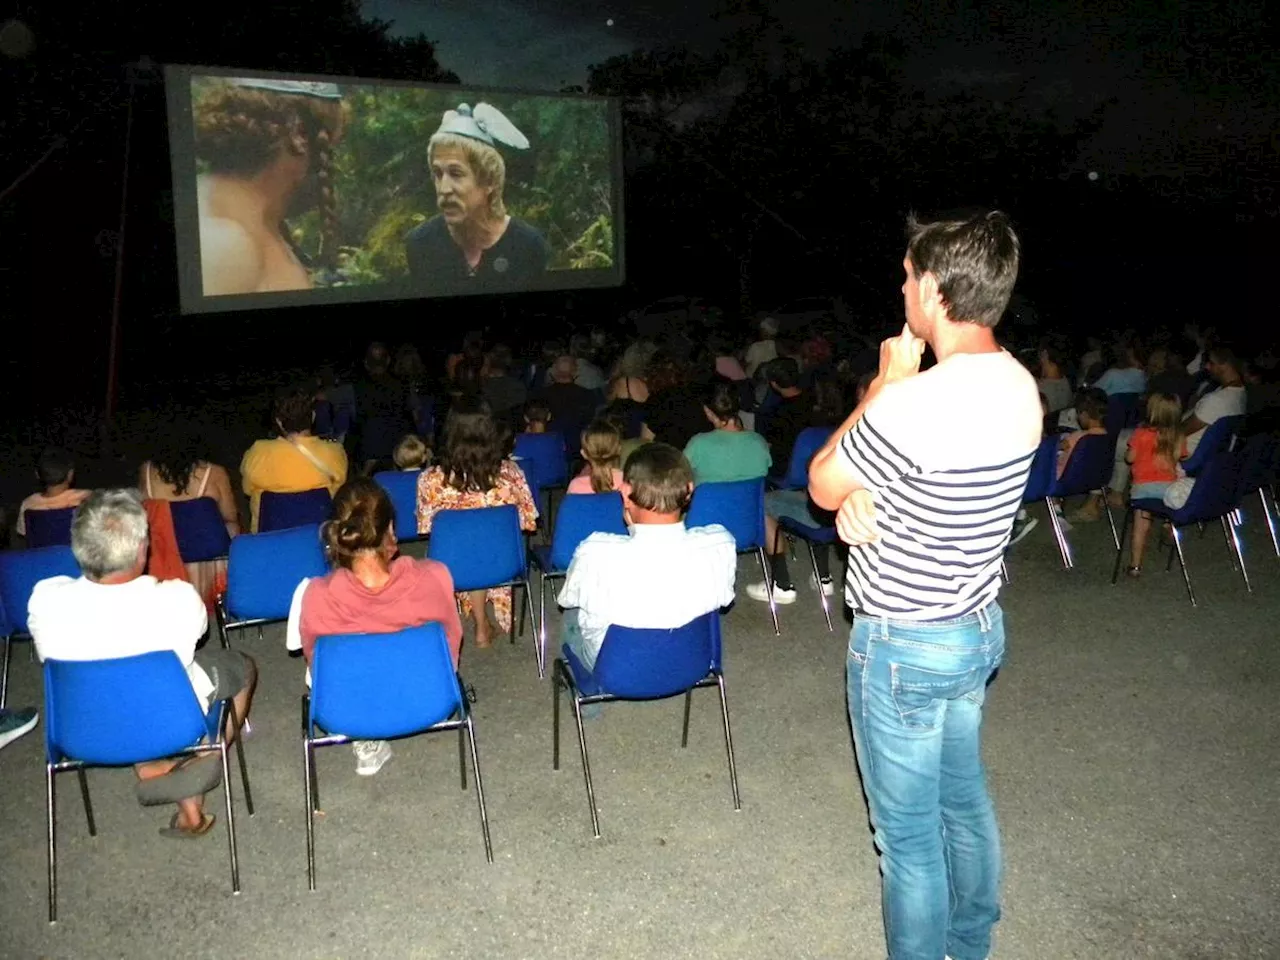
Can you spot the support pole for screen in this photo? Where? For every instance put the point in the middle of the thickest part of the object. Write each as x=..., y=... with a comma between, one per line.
x=113, y=352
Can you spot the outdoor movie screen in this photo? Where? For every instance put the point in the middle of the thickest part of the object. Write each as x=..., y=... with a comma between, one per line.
x=304, y=190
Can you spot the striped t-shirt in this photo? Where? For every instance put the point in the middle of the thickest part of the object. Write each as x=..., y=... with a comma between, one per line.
x=946, y=454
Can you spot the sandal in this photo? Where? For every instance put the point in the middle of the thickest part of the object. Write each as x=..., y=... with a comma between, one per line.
x=176, y=832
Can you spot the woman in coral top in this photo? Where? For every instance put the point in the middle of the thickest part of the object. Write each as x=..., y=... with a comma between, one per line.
x=1155, y=449
x=371, y=590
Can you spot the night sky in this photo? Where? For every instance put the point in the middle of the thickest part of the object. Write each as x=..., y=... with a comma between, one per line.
x=1187, y=81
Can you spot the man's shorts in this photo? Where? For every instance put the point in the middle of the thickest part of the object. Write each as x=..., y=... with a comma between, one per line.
x=794, y=505
x=226, y=670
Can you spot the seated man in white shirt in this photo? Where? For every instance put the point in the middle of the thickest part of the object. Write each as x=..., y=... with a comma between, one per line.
x=1228, y=400
x=661, y=576
x=114, y=611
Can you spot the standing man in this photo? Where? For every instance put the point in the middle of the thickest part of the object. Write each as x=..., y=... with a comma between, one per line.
x=927, y=474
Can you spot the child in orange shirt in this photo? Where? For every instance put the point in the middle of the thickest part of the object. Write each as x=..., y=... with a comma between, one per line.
x=1155, y=449
x=56, y=473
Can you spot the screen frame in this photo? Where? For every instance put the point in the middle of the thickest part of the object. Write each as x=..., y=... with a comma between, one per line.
x=186, y=224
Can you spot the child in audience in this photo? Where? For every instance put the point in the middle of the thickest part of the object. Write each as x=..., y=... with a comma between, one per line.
x=1155, y=450
x=56, y=474
x=537, y=415
x=602, y=451
x=411, y=453
x=1091, y=413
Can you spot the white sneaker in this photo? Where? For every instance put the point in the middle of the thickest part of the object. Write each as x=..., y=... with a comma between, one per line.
x=760, y=591
x=371, y=756
x=827, y=586
x=1021, y=527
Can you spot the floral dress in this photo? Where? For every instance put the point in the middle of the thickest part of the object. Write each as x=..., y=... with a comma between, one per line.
x=435, y=494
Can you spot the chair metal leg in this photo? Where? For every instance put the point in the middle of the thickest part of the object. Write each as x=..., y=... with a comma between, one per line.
x=50, y=797
x=539, y=649
x=484, y=815
x=1124, y=535
x=768, y=585
x=688, y=703
x=310, y=769
x=728, y=743
x=1004, y=575
x=1227, y=529
x=239, y=745
x=1239, y=553
x=1182, y=562
x=817, y=582
x=231, y=818
x=309, y=779
x=555, y=714
x=1111, y=520
x=88, y=804
x=586, y=768
x=4, y=672
x=1271, y=520
x=1059, y=535
x=462, y=756
x=511, y=634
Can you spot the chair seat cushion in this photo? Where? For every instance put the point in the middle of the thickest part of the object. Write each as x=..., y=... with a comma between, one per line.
x=805, y=532
x=582, y=677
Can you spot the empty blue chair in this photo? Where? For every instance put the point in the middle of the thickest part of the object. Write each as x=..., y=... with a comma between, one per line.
x=738, y=506
x=580, y=516
x=1124, y=411
x=1258, y=461
x=200, y=530
x=263, y=571
x=543, y=458
x=1088, y=470
x=638, y=664
x=90, y=723
x=1217, y=436
x=48, y=528
x=383, y=687
x=808, y=443
x=20, y=571
x=484, y=548
x=1215, y=495
x=281, y=511
x=402, y=488
x=1040, y=484
x=812, y=537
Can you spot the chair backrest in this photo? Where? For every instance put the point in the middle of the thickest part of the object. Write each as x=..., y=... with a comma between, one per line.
x=1124, y=410
x=21, y=570
x=1217, y=437
x=807, y=444
x=543, y=458
x=200, y=529
x=280, y=511
x=1044, y=470
x=49, y=528
x=264, y=569
x=482, y=547
x=647, y=664
x=1216, y=490
x=580, y=516
x=376, y=686
x=120, y=711
x=1257, y=457
x=1088, y=468
x=737, y=505
x=402, y=488
x=424, y=417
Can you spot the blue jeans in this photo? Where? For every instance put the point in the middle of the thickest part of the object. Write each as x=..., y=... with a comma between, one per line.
x=915, y=703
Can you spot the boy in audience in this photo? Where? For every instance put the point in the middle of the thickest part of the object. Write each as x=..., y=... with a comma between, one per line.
x=1091, y=414
x=411, y=453
x=537, y=415
x=660, y=576
x=56, y=474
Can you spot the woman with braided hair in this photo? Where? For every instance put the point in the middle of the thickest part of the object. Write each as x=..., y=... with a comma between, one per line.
x=474, y=241
x=266, y=146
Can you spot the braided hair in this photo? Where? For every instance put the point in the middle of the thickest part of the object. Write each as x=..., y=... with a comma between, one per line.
x=240, y=131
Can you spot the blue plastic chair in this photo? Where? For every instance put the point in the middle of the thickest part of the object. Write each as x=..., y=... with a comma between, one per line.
x=636, y=664
x=49, y=528
x=1258, y=456
x=89, y=722
x=402, y=488
x=1088, y=470
x=544, y=459
x=263, y=571
x=483, y=549
x=1124, y=410
x=1215, y=495
x=738, y=506
x=1040, y=484
x=200, y=530
x=282, y=511
x=20, y=571
x=1217, y=437
x=383, y=687
x=808, y=443
x=812, y=537
x=580, y=516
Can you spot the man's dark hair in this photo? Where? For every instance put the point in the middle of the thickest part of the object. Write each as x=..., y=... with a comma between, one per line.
x=975, y=262
x=294, y=409
x=783, y=372
x=54, y=466
x=660, y=478
x=1092, y=402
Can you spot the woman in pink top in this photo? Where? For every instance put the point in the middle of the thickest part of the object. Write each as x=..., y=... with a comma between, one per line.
x=602, y=450
x=372, y=590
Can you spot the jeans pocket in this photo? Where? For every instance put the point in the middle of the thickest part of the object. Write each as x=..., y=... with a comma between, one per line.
x=920, y=695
